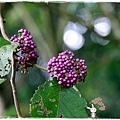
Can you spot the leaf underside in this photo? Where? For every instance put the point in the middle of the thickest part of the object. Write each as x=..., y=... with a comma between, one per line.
x=53, y=101
x=5, y=58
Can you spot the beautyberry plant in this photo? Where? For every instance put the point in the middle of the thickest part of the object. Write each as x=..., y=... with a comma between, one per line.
x=68, y=70
x=26, y=55
x=55, y=98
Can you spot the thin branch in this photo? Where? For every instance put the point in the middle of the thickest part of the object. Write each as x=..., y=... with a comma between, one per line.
x=40, y=67
x=12, y=79
x=2, y=26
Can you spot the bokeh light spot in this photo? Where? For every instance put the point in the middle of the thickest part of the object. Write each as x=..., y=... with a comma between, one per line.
x=102, y=26
x=72, y=36
x=73, y=39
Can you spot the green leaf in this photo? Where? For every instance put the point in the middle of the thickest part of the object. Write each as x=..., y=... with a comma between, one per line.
x=2, y=80
x=3, y=42
x=72, y=105
x=53, y=101
x=6, y=57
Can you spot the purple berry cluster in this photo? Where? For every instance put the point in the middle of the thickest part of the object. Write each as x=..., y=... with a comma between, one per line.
x=68, y=70
x=26, y=55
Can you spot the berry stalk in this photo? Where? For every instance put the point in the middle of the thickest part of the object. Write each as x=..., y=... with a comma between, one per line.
x=40, y=67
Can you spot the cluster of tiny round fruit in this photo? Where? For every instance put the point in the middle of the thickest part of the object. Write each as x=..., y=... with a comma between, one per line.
x=26, y=55
x=68, y=70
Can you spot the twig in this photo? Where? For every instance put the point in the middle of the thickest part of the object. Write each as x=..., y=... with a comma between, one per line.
x=40, y=67
x=2, y=26
x=12, y=79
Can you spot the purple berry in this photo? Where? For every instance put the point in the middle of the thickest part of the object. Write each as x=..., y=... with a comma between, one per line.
x=25, y=60
x=67, y=69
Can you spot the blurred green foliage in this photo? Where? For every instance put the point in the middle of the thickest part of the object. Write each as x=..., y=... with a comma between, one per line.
x=47, y=21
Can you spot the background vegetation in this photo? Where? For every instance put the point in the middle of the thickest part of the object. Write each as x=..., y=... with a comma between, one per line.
x=47, y=22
